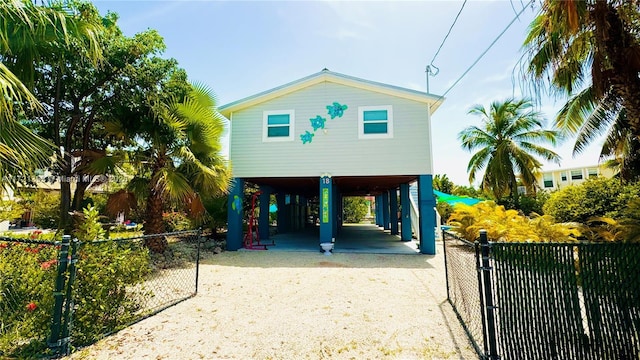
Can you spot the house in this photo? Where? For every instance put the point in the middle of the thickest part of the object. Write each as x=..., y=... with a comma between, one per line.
x=561, y=178
x=326, y=136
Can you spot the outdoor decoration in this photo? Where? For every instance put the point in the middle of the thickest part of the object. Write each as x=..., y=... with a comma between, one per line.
x=236, y=205
x=307, y=137
x=336, y=110
x=317, y=122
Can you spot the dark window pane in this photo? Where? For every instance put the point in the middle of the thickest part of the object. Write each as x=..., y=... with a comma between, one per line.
x=278, y=131
x=375, y=128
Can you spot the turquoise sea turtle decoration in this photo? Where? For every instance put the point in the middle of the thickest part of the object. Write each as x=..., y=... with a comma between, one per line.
x=317, y=122
x=306, y=137
x=336, y=110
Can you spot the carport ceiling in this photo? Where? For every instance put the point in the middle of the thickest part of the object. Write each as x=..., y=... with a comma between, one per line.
x=348, y=185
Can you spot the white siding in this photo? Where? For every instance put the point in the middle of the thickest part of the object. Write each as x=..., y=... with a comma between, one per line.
x=337, y=150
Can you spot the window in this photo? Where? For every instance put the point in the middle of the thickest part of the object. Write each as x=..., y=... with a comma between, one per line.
x=375, y=122
x=548, y=180
x=278, y=125
x=576, y=174
x=563, y=176
x=593, y=173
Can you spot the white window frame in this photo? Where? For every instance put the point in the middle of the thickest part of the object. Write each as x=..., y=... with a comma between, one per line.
x=361, y=111
x=265, y=125
x=547, y=177
x=592, y=173
x=574, y=175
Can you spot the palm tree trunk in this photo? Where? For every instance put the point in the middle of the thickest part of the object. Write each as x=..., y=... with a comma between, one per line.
x=154, y=208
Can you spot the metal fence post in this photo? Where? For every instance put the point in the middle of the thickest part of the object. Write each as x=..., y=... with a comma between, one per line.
x=446, y=267
x=54, y=342
x=491, y=331
x=65, y=339
x=199, y=234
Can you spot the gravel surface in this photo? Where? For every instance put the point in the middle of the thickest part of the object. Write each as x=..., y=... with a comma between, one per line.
x=302, y=305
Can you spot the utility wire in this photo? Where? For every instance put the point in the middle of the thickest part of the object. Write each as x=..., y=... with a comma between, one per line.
x=448, y=33
x=486, y=50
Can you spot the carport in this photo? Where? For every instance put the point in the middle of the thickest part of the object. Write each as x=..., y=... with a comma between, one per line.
x=391, y=233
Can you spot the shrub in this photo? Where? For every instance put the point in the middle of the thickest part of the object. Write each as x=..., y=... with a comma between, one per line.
x=355, y=209
x=594, y=198
x=508, y=225
x=27, y=277
x=10, y=210
x=176, y=221
x=107, y=272
x=445, y=210
x=45, y=208
x=106, y=292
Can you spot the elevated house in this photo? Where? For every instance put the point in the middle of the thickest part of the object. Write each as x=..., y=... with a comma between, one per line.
x=328, y=135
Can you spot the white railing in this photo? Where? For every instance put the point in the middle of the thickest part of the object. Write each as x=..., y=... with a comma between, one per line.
x=415, y=218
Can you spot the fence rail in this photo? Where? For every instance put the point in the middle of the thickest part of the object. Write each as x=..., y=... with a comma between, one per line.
x=57, y=294
x=552, y=301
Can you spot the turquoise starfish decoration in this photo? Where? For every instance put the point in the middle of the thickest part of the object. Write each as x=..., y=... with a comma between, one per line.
x=317, y=122
x=306, y=137
x=336, y=109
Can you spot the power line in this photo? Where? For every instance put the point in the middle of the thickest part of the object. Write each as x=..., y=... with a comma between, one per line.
x=486, y=50
x=448, y=33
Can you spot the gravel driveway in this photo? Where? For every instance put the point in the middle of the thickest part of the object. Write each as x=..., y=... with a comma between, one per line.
x=302, y=305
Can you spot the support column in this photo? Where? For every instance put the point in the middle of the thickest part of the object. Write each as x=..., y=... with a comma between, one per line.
x=405, y=217
x=336, y=208
x=427, y=204
x=327, y=217
x=393, y=205
x=378, y=210
x=235, y=214
x=283, y=213
x=385, y=211
x=263, y=219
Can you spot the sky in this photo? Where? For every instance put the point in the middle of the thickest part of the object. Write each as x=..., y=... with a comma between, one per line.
x=241, y=48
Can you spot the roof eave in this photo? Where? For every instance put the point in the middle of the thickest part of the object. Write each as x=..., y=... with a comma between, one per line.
x=432, y=100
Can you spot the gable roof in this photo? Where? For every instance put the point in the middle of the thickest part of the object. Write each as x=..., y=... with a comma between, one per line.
x=329, y=76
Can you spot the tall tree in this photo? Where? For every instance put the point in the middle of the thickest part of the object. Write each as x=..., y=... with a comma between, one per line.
x=27, y=32
x=80, y=97
x=180, y=146
x=589, y=51
x=507, y=144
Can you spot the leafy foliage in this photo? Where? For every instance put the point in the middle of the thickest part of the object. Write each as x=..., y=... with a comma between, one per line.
x=355, y=209
x=90, y=228
x=27, y=276
x=442, y=183
x=596, y=197
x=10, y=210
x=44, y=207
x=509, y=225
x=445, y=210
x=107, y=272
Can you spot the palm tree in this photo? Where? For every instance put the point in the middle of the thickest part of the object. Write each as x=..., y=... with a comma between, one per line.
x=507, y=145
x=27, y=32
x=590, y=51
x=181, y=152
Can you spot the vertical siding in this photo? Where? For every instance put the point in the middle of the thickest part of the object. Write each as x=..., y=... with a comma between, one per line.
x=337, y=150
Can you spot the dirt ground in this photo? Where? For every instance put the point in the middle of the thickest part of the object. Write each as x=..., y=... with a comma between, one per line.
x=302, y=305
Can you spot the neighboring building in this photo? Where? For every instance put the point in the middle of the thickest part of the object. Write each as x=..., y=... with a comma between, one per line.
x=330, y=135
x=561, y=178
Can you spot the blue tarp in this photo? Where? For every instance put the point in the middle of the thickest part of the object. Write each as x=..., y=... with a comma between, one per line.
x=273, y=208
x=454, y=199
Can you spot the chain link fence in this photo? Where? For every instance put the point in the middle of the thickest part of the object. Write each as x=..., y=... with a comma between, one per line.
x=462, y=286
x=59, y=295
x=548, y=301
